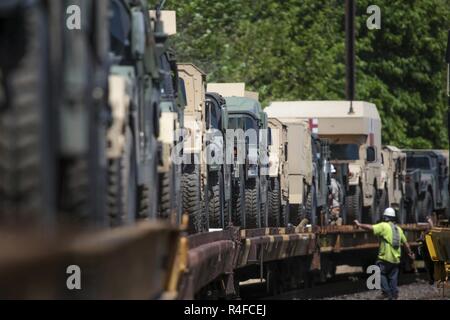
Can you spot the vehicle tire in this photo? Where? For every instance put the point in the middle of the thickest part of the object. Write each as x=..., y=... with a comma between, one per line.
x=238, y=200
x=252, y=205
x=311, y=206
x=215, y=200
x=426, y=207
x=165, y=193
x=401, y=214
x=27, y=148
x=284, y=217
x=192, y=197
x=264, y=214
x=274, y=198
x=122, y=186
x=413, y=209
x=372, y=214
x=383, y=203
x=354, y=205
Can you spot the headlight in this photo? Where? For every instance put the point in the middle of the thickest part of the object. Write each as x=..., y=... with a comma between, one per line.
x=252, y=171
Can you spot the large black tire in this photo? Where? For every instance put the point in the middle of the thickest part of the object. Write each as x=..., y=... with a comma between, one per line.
x=284, y=217
x=274, y=198
x=215, y=200
x=165, y=195
x=252, y=205
x=354, y=205
x=192, y=197
x=384, y=202
x=401, y=214
x=372, y=213
x=413, y=212
x=264, y=214
x=425, y=207
x=238, y=200
x=311, y=206
x=122, y=186
x=26, y=146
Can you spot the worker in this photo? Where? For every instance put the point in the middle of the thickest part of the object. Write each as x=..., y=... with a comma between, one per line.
x=391, y=240
x=335, y=197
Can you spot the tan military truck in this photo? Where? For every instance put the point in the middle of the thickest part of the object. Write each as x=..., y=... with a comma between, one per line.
x=353, y=130
x=300, y=167
x=278, y=187
x=194, y=172
x=393, y=174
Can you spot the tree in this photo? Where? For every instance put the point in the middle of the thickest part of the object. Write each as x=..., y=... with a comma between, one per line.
x=291, y=50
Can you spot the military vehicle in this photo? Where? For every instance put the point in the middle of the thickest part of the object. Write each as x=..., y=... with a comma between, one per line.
x=301, y=173
x=134, y=99
x=171, y=119
x=393, y=179
x=194, y=182
x=431, y=170
x=219, y=172
x=353, y=130
x=278, y=189
x=53, y=110
x=250, y=165
x=321, y=174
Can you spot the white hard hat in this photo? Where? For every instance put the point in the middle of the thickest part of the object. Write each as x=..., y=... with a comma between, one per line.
x=389, y=212
x=333, y=169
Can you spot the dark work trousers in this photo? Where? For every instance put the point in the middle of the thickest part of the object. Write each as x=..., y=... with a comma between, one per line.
x=389, y=279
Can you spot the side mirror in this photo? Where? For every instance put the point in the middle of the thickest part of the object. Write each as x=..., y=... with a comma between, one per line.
x=371, y=154
x=224, y=119
x=182, y=93
x=270, y=136
x=138, y=34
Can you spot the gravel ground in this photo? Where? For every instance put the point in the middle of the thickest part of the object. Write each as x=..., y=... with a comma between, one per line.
x=419, y=290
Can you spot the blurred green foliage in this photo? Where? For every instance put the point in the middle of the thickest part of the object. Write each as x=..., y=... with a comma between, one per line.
x=294, y=49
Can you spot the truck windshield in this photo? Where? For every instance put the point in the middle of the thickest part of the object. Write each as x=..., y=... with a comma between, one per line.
x=418, y=163
x=242, y=122
x=344, y=152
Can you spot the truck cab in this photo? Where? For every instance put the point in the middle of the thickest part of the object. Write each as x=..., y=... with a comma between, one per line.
x=248, y=125
x=431, y=167
x=353, y=131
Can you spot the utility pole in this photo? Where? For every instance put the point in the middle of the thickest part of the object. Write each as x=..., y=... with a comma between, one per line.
x=350, y=13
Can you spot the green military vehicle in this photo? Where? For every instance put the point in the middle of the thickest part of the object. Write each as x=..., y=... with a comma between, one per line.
x=250, y=160
x=53, y=111
x=135, y=87
x=427, y=178
x=219, y=172
x=171, y=120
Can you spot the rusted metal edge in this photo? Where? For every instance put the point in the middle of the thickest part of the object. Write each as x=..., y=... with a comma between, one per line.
x=123, y=263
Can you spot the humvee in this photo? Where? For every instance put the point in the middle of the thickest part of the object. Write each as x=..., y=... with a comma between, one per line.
x=250, y=176
x=194, y=184
x=353, y=130
x=278, y=188
x=171, y=118
x=432, y=188
x=393, y=178
x=302, y=185
x=219, y=172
